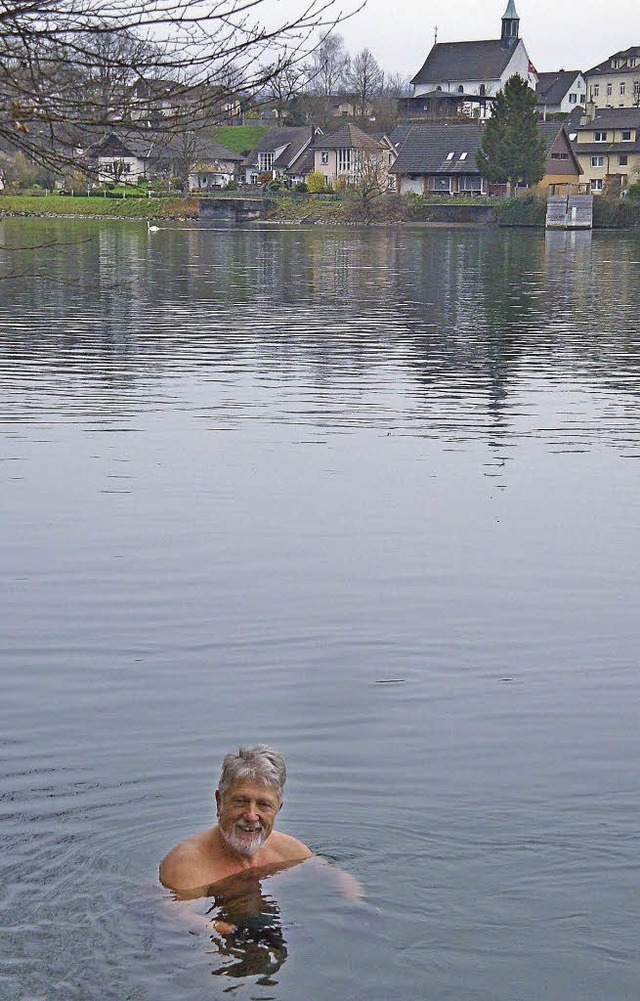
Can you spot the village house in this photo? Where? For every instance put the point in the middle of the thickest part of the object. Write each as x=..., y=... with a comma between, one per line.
x=134, y=156
x=281, y=152
x=460, y=79
x=561, y=93
x=608, y=149
x=615, y=83
x=440, y=157
x=116, y=159
x=349, y=153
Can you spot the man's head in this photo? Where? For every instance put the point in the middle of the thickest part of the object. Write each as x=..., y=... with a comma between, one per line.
x=249, y=795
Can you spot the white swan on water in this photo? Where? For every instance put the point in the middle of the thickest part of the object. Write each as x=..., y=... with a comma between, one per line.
x=152, y=229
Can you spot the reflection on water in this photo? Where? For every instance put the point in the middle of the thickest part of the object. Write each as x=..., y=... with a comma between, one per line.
x=245, y=476
x=253, y=941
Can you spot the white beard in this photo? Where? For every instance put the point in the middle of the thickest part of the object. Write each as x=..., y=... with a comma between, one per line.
x=242, y=844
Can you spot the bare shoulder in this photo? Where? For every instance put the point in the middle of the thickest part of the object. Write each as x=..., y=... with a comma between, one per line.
x=288, y=848
x=183, y=863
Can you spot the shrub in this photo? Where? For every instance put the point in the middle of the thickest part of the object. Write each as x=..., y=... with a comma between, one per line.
x=614, y=213
x=301, y=187
x=633, y=191
x=525, y=210
x=316, y=183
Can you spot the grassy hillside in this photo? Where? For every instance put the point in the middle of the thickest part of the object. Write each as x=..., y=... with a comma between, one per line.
x=240, y=138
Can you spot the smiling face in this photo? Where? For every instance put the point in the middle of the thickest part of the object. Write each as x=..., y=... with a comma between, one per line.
x=246, y=815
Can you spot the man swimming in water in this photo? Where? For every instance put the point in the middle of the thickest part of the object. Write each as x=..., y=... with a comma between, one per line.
x=248, y=799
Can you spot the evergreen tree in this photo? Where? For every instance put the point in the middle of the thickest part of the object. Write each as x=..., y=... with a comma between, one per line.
x=512, y=149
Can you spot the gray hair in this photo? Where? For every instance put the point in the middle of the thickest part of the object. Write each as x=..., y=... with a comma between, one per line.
x=256, y=764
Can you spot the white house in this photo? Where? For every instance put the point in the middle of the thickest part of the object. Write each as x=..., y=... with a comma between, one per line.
x=463, y=77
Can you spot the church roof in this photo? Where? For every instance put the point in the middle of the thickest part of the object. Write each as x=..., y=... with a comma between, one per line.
x=464, y=61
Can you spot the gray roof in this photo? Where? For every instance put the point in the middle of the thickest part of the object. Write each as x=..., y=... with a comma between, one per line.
x=156, y=145
x=552, y=88
x=612, y=118
x=510, y=13
x=464, y=61
x=425, y=148
x=293, y=139
x=347, y=137
x=605, y=67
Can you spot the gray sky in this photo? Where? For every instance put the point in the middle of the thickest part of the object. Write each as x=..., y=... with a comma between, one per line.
x=557, y=35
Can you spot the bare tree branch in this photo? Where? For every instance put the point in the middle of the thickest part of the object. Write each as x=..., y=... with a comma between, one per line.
x=73, y=69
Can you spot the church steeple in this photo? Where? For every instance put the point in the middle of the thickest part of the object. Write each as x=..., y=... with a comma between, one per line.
x=510, y=23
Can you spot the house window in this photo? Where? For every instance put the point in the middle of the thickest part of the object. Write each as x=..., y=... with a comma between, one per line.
x=469, y=182
x=450, y=156
x=595, y=90
x=344, y=160
x=622, y=88
x=622, y=160
x=615, y=63
x=597, y=161
x=265, y=161
x=460, y=89
x=573, y=98
x=609, y=89
x=596, y=184
x=626, y=136
x=463, y=156
x=599, y=137
x=324, y=156
x=562, y=156
x=632, y=61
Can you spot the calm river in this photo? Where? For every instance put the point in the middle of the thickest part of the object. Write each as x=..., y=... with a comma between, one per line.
x=372, y=497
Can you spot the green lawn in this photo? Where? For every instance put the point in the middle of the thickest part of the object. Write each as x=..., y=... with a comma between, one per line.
x=240, y=138
x=135, y=208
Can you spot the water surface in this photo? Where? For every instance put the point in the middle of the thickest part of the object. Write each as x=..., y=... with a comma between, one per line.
x=371, y=496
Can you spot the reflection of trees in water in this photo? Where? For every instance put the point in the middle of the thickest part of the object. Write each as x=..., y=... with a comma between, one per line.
x=465, y=312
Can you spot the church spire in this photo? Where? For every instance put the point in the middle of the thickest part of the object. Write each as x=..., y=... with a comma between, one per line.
x=510, y=23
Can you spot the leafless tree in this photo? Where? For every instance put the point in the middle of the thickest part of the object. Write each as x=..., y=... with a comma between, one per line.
x=369, y=182
x=328, y=66
x=365, y=80
x=67, y=67
x=284, y=86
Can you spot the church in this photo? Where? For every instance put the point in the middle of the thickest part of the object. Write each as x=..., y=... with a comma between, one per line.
x=460, y=79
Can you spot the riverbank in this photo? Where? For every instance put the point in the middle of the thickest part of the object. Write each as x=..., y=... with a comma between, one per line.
x=99, y=207
x=348, y=209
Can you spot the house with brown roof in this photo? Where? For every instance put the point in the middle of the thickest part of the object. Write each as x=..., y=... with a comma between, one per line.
x=615, y=83
x=561, y=92
x=349, y=152
x=460, y=79
x=608, y=148
x=561, y=165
